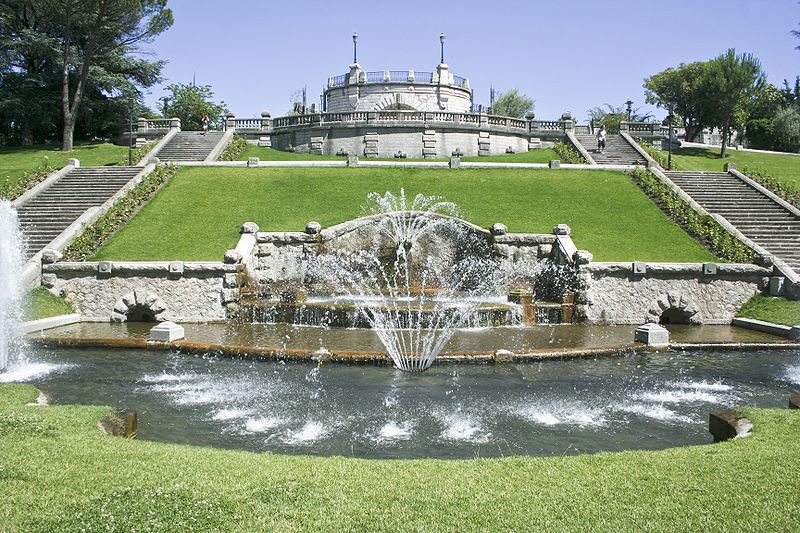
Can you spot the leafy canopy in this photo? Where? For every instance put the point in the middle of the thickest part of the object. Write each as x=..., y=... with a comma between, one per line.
x=512, y=104
x=189, y=102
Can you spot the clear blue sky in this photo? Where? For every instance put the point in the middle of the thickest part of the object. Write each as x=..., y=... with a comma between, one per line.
x=567, y=55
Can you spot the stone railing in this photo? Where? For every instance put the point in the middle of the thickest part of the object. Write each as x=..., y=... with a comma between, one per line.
x=646, y=128
x=551, y=126
x=373, y=117
x=157, y=125
x=395, y=76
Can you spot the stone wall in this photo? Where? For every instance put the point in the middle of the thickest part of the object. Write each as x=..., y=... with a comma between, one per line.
x=386, y=140
x=166, y=291
x=635, y=293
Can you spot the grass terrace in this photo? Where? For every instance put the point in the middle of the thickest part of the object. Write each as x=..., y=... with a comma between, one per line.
x=197, y=215
x=60, y=473
x=772, y=309
x=785, y=168
x=15, y=161
x=39, y=303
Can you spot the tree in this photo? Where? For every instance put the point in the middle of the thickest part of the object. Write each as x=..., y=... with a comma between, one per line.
x=190, y=102
x=787, y=128
x=679, y=88
x=611, y=116
x=727, y=89
x=97, y=34
x=512, y=104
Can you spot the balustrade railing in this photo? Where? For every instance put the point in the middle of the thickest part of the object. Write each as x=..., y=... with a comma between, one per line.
x=398, y=116
x=248, y=124
x=653, y=128
x=395, y=76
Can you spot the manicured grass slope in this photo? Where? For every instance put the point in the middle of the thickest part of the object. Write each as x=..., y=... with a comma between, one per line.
x=198, y=213
x=16, y=160
x=269, y=154
x=783, y=167
x=540, y=155
x=771, y=309
x=59, y=473
x=41, y=304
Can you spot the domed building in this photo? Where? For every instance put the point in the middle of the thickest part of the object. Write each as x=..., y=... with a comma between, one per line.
x=396, y=113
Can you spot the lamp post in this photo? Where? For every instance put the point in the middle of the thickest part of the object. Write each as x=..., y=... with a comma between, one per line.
x=670, y=118
x=629, y=105
x=355, y=48
x=441, y=41
x=130, y=134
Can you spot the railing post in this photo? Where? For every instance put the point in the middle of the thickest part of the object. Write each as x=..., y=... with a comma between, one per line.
x=175, y=123
x=141, y=125
x=230, y=121
x=624, y=126
x=266, y=121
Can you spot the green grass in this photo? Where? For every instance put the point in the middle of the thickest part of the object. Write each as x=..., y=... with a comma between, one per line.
x=197, y=215
x=15, y=160
x=60, y=473
x=785, y=168
x=772, y=309
x=270, y=154
x=539, y=155
x=41, y=304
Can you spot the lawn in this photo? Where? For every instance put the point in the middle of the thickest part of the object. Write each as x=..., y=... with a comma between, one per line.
x=270, y=154
x=15, y=160
x=39, y=303
x=60, y=473
x=197, y=215
x=782, y=167
x=539, y=155
x=771, y=309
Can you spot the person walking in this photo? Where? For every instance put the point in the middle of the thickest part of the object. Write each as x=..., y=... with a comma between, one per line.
x=601, y=140
x=205, y=124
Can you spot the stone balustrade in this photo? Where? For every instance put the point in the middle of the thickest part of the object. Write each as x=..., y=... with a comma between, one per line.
x=394, y=76
x=156, y=125
x=371, y=117
x=647, y=129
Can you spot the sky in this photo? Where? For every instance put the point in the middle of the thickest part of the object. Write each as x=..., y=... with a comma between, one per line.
x=566, y=55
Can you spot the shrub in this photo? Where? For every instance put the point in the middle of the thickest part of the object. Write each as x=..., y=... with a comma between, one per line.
x=702, y=227
x=787, y=191
x=568, y=153
x=234, y=149
x=97, y=233
x=11, y=189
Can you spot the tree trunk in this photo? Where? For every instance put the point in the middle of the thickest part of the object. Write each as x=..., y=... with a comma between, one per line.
x=69, y=129
x=725, y=130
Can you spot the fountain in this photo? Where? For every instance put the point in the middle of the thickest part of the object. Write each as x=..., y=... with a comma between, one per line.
x=11, y=292
x=412, y=301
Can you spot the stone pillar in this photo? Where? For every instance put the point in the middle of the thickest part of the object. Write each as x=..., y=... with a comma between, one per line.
x=175, y=123
x=141, y=125
x=230, y=121
x=266, y=121
x=623, y=126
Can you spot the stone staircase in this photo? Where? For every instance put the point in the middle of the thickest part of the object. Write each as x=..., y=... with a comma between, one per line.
x=189, y=146
x=53, y=210
x=618, y=150
x=758, y=217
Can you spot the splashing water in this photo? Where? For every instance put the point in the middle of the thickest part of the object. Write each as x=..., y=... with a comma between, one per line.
x=400, y=224
x=12, y=249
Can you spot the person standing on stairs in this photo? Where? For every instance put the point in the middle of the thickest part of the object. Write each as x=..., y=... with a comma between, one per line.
x=205, y=124
x=601, y=140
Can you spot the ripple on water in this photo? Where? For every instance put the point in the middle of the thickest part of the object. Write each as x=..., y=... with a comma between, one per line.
x=28, y=371
x=311, y=432
x=259, y=425
x=463, y=428
x=562, y=413
x=654, y=411
x=391, y=431
x=793, y=374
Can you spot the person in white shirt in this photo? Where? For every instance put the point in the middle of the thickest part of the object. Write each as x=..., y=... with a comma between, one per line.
x=601, y=140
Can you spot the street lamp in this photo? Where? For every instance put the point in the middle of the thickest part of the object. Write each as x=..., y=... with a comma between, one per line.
x=441, y=40
x=355, y=48
x=629, y=105
x=670, y=118
x=130, y=134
